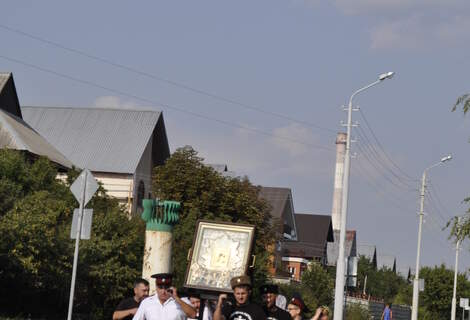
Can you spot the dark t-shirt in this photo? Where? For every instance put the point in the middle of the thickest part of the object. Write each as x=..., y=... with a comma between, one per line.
x=277, y=314
x=249, y=311
x=126, y=304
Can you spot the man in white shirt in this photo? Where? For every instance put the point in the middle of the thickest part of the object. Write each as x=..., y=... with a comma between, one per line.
x=165, y=305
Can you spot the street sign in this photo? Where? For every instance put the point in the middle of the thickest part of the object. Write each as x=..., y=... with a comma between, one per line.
x=90, y=189
x=86, y=224
x=463, y=302
x=421, y=285
x=351, y=271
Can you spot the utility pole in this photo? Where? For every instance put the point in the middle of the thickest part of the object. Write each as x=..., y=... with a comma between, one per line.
x=340, y=264
x=454, y=293
x=414, y=310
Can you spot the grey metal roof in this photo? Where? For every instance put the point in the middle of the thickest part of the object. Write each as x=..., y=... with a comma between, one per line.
x=332, y=251
x=386, y=261
x=366, y=250
x=4, y=76
x=18, y=135
x=100, y=139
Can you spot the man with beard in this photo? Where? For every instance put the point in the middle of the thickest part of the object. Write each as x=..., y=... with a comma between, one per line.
x=128, y=307
x=242, y=309
x=269, y=294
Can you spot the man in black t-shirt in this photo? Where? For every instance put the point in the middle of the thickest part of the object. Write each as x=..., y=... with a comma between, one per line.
x=242, y=308
x=128, y=307
x=269, y=294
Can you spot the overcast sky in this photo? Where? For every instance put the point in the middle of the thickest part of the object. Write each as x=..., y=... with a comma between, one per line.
x=297, y=61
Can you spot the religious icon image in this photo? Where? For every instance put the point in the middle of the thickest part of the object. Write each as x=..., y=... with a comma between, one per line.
x=220, y=252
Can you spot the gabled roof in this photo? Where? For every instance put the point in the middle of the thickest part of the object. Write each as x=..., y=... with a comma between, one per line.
x=18, y=135
x=8, y=96
x=386, y=261
x=314, y=231
x=100, y=139
x=366, y=250
x=333, y=247
x=282, y=206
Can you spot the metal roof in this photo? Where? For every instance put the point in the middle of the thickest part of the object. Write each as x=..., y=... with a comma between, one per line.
x=4, y=76
x=385, y=261
x=366, y=250
x=99, y=139
x=333, y=247
x=278, y=198
x=18, y=135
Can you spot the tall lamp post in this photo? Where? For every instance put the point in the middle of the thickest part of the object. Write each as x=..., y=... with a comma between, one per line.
x=340, y=264
x=414, y=312
x=456, y=267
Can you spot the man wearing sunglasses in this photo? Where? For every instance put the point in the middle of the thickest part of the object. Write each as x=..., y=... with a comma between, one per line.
x=166, y=304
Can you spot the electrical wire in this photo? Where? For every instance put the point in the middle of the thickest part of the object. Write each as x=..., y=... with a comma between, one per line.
x=163, y=79
x=155, y=103
x=383, y=150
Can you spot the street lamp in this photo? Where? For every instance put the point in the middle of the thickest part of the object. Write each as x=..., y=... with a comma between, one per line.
x=414, y=313
x=456, y=266
x=340, y=263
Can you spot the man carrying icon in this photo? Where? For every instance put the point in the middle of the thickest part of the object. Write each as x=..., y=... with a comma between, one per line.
x=166, y=304
x=242, y=308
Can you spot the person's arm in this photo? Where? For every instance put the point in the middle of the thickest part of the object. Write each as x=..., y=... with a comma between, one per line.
x=188, y=310
x=121, y=314
x=218, y=310
x=391, y=315
x=317, y=314
x=383, y=314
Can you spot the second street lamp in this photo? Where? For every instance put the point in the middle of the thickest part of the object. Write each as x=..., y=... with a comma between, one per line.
x=414, y=310
x=340, y=263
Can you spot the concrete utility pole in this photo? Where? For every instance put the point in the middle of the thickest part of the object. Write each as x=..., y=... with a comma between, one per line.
x=414, y=310
x=456, y=267
x=340, y=264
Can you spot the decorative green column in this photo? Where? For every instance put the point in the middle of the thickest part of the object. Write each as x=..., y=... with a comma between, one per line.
x=160, y=217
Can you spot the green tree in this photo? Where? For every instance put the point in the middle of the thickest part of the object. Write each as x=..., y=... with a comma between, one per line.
x=205, y=194
x=464, y=102
x=317, y=286
x=36, y=251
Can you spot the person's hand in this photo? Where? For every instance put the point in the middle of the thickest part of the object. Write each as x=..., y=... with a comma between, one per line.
x=318, y=311
x=133, y=311
x=222, y=297
x=173, y=292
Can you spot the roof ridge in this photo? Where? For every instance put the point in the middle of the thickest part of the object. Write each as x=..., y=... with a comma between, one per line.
x=94, y=108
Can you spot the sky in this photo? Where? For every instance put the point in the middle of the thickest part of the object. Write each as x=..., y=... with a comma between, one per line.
x=260, y=85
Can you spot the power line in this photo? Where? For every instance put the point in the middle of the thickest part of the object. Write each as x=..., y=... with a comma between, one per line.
x=163, y=79
x=383, y=150
x=386, y=177
x=373, y=152
x=176, y=108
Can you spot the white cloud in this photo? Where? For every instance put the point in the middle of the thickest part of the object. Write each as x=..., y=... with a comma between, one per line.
x=390, y=7
x=419, y=32
x=113, y=102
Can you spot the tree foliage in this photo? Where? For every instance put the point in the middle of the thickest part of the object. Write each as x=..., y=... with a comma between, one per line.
x=206, y=194
x=36, y=252
x=464, y=102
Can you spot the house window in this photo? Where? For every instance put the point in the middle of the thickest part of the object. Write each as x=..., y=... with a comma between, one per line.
x=292, y=272
x=140, y=194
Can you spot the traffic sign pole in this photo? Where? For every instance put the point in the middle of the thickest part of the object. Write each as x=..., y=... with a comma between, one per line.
x=77, y=241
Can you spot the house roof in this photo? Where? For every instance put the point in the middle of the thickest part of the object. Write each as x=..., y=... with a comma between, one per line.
x=333, y=247
x=282, y=208
x=8, y=96
x=386, y=261
x=313, y=232
x=277, y=198
x=99, y=139
x=366, y=250
x=17, y=134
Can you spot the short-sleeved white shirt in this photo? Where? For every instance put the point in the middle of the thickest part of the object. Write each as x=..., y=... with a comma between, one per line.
x=152, y=309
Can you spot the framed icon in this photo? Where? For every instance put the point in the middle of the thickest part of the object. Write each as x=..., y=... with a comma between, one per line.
x=220, y=252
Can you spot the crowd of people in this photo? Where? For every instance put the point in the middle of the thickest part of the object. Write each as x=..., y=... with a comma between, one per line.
x=168, y=304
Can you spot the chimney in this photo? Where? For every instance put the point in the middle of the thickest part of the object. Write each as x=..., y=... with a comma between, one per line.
x=338, y=188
